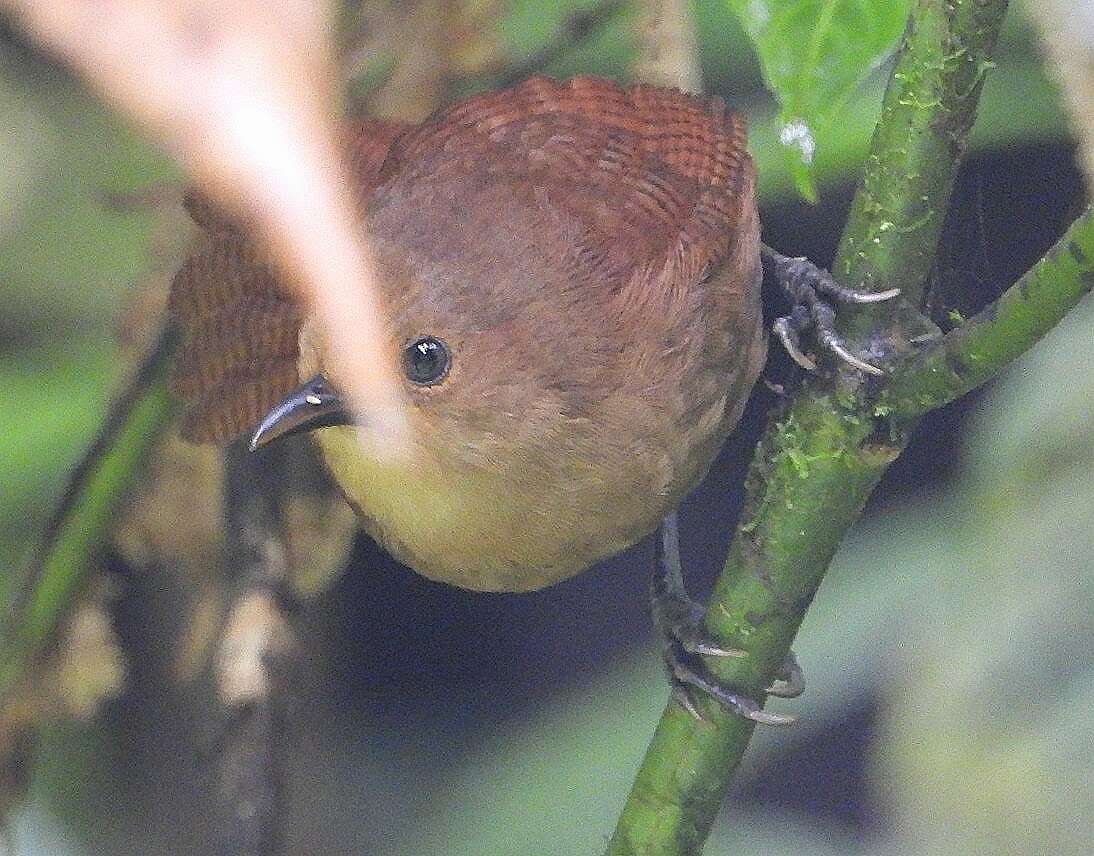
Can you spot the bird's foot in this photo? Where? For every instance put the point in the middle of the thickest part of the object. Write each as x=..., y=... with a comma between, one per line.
x=812, y=291
x=679, y=623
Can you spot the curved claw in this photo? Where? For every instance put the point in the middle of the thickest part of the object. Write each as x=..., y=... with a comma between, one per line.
x=790, y=682
x=711, y=650
x=766, y=717
x=849, y=295
x=679, y=622
x=682, y=624
x=805, y=283
x=683, y=697
x=789, y=339
x=737, y=704
x=840, y=351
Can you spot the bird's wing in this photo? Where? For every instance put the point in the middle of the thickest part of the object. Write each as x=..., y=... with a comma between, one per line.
x=240, y=327
x=639, y=178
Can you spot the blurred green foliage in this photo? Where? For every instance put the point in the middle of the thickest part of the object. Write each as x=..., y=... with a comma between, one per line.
x=969, y=612
x=815, y=53
x=67, y=261
x=82, y=522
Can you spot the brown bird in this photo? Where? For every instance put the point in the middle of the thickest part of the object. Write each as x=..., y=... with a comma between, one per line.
x=572, y=272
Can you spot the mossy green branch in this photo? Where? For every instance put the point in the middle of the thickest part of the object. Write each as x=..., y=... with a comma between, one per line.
x=818, y=463
x=991, y=340
x=811, y=476
x=929, y=107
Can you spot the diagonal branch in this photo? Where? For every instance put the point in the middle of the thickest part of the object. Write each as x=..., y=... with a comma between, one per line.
x=930, y=104
x=86, y=514
x=1002, y=332
x=576, y=29
x=817, y=464
x=255, y=658
x=668, y=53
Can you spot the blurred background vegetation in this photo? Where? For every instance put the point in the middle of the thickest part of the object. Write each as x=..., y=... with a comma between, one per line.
x=950, y=696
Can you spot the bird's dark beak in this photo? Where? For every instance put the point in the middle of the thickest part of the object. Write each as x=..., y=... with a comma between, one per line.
x=312, y=405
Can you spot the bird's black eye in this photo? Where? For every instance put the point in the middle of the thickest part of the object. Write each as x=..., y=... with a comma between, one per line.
x=426, y=361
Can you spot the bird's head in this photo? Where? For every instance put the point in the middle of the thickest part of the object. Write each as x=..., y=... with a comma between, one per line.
x=505, y=343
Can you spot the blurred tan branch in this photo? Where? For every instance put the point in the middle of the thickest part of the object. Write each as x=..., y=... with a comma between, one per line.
x=243, y=95
x=668, y=47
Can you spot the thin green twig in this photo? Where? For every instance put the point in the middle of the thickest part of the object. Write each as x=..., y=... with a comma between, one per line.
x=995, y=337
x=86, y=513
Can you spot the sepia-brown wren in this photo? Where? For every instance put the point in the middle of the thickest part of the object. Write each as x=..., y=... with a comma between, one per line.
x=572, y=274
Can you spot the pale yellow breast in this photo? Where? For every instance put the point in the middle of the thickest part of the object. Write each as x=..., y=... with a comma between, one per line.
x=471, y=529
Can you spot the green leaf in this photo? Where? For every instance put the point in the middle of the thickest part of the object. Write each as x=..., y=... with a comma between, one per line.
x=814, y=53
x=86, y=514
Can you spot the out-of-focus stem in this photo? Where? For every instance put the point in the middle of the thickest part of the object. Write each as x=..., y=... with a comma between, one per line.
x=668, y=47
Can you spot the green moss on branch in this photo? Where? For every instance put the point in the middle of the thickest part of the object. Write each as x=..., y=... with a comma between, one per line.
x=990, y=341
x=930, y=104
